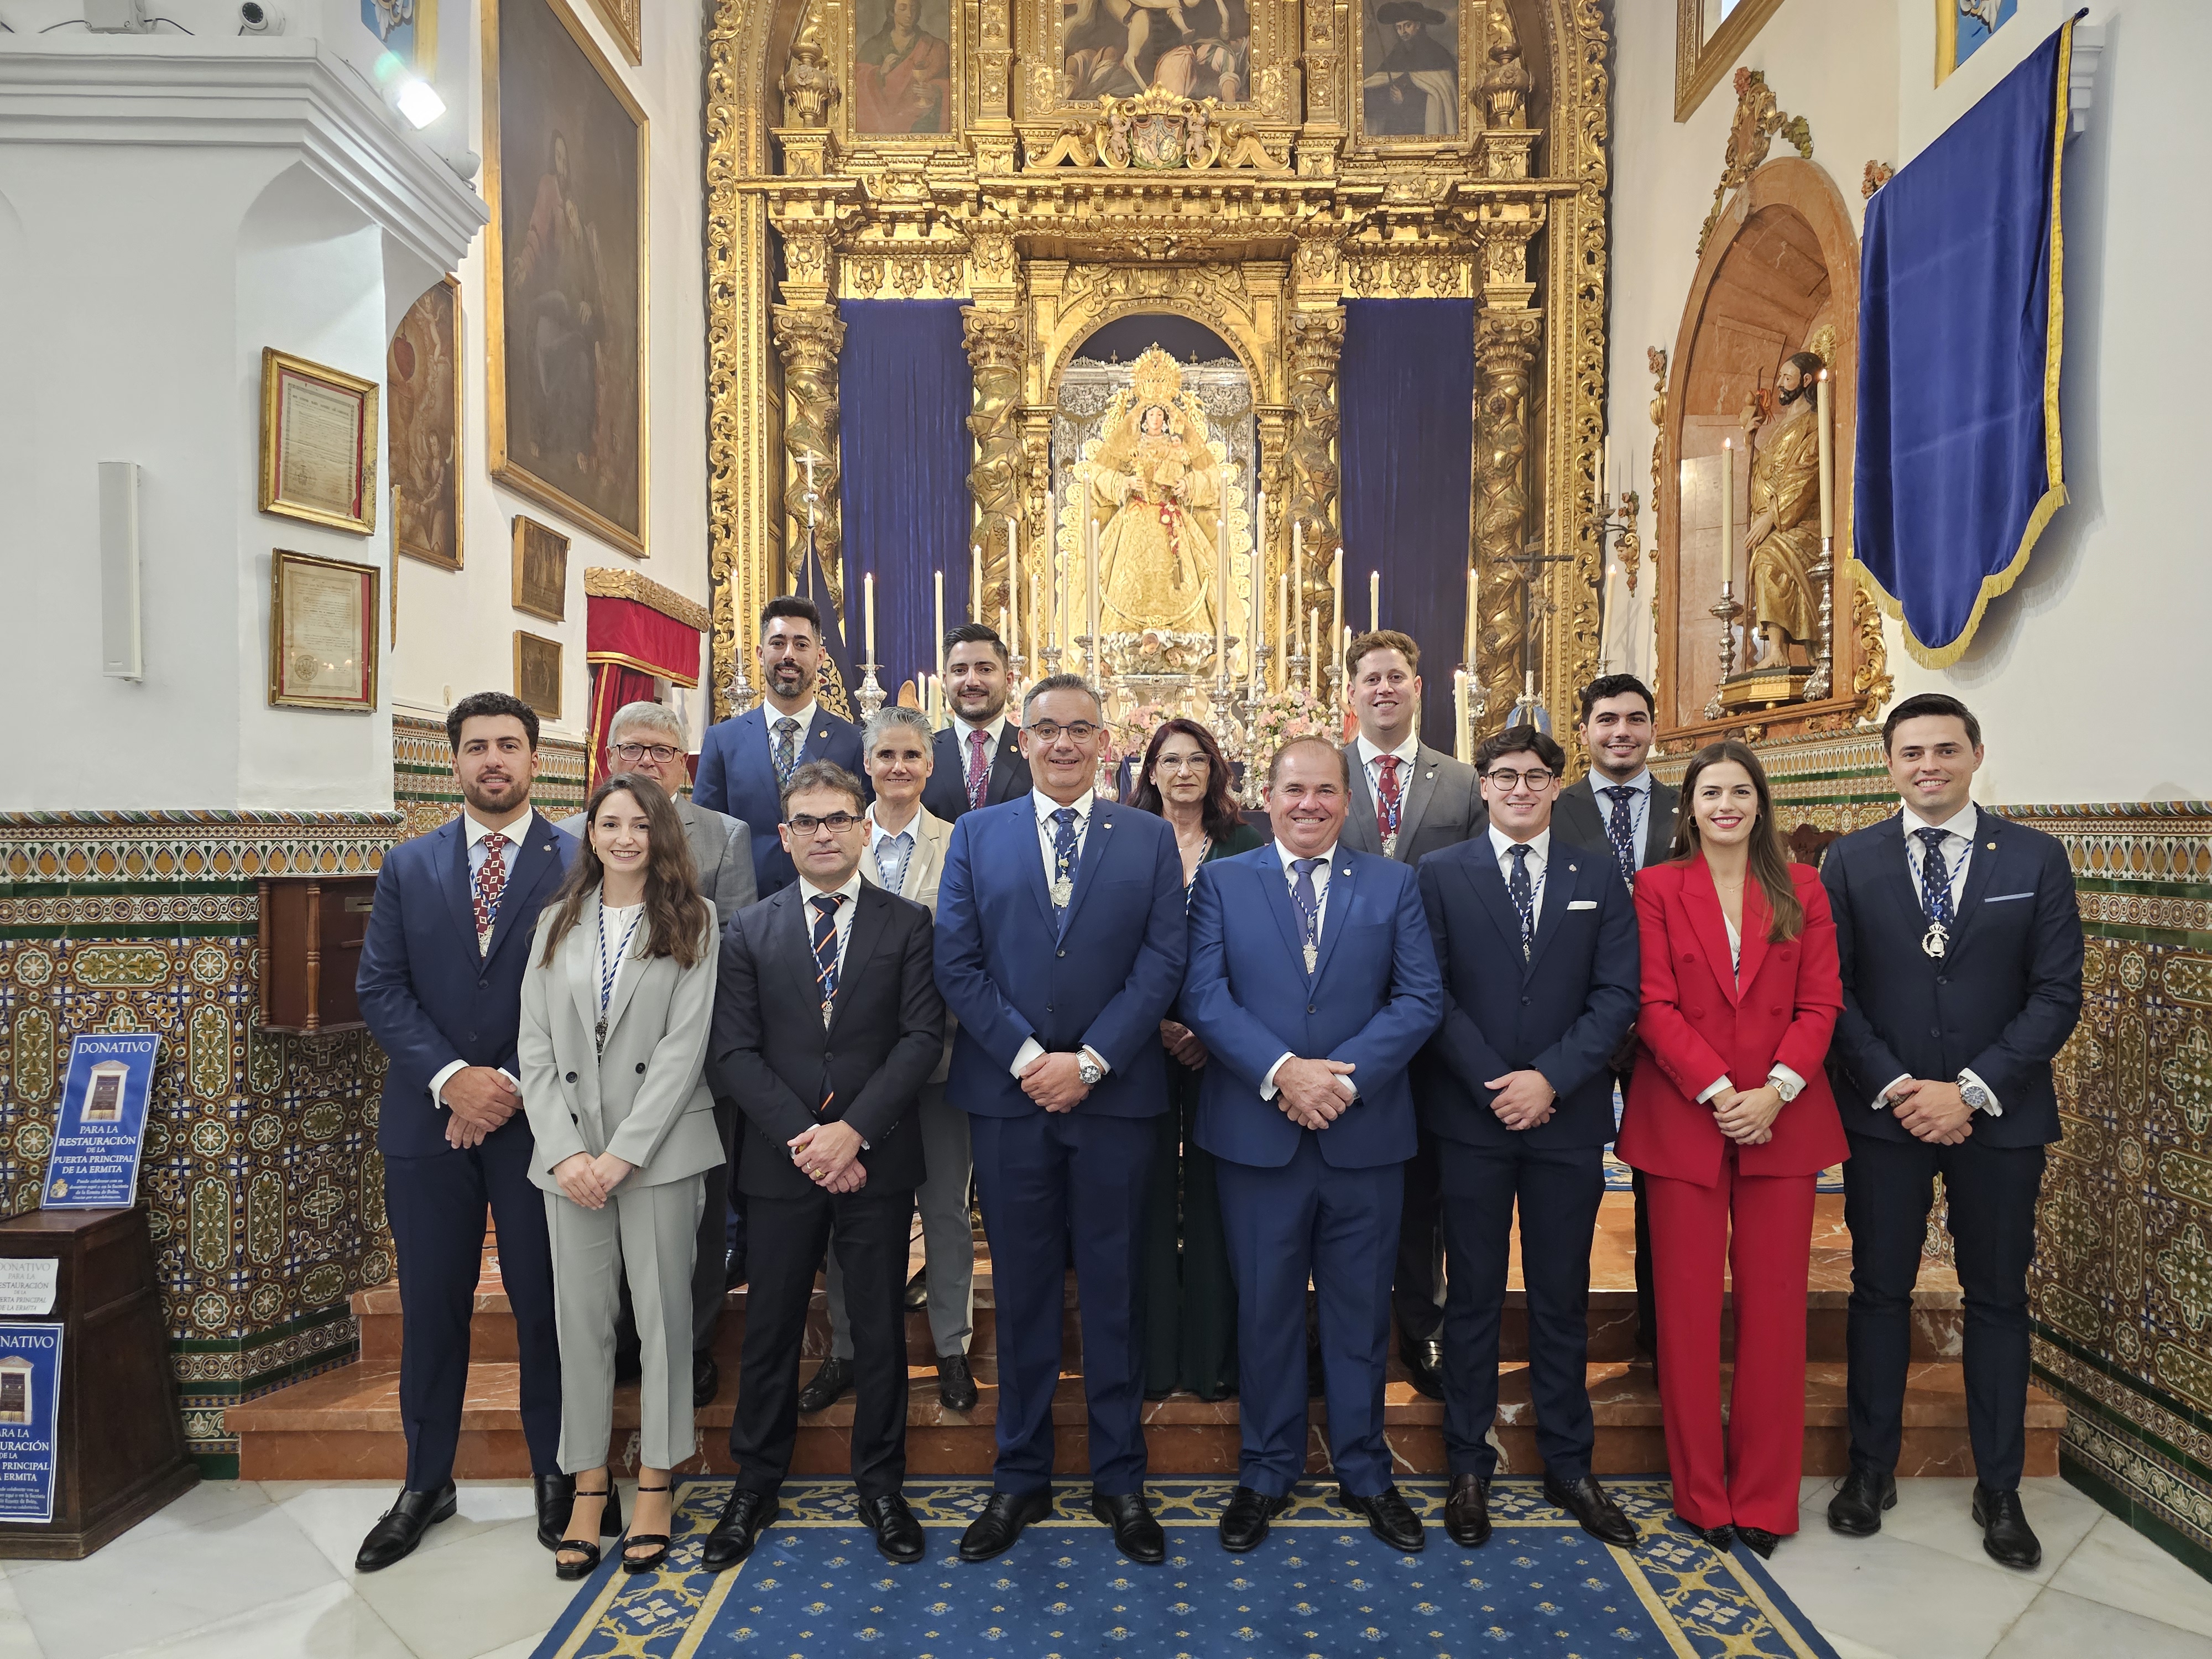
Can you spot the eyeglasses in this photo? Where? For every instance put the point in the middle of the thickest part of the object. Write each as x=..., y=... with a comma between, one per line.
x=1182, y=764
x=660, y=753
x=806, y=823
x=1047, y=733
x=1506, y=778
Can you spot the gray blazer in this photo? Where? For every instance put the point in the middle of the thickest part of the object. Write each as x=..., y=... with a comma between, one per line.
x=1581, y=818
x=721, y=845
x=645, y=1098
x=1444, y=806
x=931, y=835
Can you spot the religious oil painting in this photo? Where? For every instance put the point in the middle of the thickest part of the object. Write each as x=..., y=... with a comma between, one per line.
x=567, y=282
x=538, y=673
x=318, y=443
x=541, y=569
x=1191, y=48
x=322, y=633
x=1409, y=79
x=423, y=381
x=902, y=67
x=1961, y=28
x=408, y=28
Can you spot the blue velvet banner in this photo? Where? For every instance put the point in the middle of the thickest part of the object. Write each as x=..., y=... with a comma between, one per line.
x=1406, y=435
x=1961, y=322
x=904, y=390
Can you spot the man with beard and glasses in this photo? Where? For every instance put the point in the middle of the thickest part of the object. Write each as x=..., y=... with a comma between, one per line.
x=440, y=988
x=744, y=762
x=977, y=761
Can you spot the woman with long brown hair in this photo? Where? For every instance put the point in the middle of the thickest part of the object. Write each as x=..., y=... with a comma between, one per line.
x=617, y=1009
x=1729, y=1118
x=1189, y=1306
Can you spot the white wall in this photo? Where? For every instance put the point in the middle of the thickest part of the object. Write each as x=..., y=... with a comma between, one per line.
x=2111, y=613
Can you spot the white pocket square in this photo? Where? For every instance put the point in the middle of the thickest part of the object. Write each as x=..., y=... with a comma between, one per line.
x=1999, y=898
x=1581, y=904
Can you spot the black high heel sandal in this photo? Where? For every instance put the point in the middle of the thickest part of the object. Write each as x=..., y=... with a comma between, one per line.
x=586, y=1550
x=660, y=1540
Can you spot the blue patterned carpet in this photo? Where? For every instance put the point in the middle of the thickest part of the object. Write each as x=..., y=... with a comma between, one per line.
x=1322, y=1586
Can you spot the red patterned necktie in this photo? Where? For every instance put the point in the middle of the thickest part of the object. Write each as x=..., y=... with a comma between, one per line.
x=1388, y=803
x=979, y=767
x=491, y=886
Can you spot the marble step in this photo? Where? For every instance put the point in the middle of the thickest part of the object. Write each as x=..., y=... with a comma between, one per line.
x=345, y=1425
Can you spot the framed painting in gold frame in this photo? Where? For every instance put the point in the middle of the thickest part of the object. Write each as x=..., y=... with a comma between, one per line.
x=422, y=379
x=1094, y=56
x=409, y=32
x=625, y=21
x=538, y=673
x=318, y=443
x=541, y=569
x=322, y=643
x=1707, y=44
x=566, y=280
x=909, y=81
x=1410, y=71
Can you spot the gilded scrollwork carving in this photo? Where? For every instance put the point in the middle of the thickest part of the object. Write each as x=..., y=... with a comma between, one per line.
x=807, y=339
x=1870, y=679
x=1317, y=342
x=1506, y=347
x=1759, y=120
x=810, y=89
x=993, y=339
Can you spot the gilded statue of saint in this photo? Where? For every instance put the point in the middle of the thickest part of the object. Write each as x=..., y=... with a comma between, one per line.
x=1783, y=539
x=1155, y=473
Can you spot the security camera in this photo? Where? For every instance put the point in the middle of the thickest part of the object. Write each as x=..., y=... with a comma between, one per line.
x=254, y=18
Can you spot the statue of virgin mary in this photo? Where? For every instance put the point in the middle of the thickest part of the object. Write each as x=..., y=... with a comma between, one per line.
x=1155, y=473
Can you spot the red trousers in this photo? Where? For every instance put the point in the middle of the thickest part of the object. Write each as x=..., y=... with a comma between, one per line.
x=1748, y=1476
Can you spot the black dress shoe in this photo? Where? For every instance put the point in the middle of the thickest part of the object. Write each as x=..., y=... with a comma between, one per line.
x=1004, y=1514
x=629, y=1364
x=916, y=1299
x=1244, y=1523
x=1759, y=1541
x=898, y=1535
x=1424, y=1364
x=1721, y=1538
x=1586, y=1500
x=956, y=1382
x=1136, y=1535
x=705, y=1378
x=1466, y=1511
x=394, y=1537
x=1387, y=1517
x=744, y=1518
x=556, y=1492
x=1856, y=1509
x=827, y=1386
x=2006, y=1535
x=734, y=1272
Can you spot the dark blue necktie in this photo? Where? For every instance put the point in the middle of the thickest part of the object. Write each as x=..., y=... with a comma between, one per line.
x=1934, y=877
x=1063, y=863
x=1621, y=832
x=1308, y=908
x=1524, y=897
x=825, y=975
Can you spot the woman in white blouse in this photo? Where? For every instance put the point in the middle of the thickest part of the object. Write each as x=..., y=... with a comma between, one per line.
x=617, y=1008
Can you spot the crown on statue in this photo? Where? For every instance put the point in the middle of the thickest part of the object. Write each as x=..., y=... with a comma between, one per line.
x=1154, y=377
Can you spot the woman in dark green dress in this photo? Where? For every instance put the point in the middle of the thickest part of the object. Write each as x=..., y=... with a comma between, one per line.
x=1189, y=1303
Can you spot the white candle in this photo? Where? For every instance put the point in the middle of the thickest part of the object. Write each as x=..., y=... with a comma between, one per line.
x=1466, y=645
x=1254, y=622
x=1283, y=628
x=940, y=624
x=1827, y=463
x=868, y=610
x=1374, y=601
x=1459, y=714
x=1014, y=589
x=1002, y=625
x=1604, y=468
x=1090, y=560
x=976, y=585
x=1728, y=515
x=807, y=461
x=1221, y=609
x=1036, y=608
x=1312, y=652
x=1335, y=592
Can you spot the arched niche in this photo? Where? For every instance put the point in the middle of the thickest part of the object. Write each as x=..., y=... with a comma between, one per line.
x=1781, y=265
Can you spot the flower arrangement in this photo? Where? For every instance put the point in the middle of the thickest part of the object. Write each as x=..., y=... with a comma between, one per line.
x=1290, y=713
x=1127, y=736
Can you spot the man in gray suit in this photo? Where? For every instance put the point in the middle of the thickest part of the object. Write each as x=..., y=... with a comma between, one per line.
x=646, y=739
x=1618, y=806
x=1408, y=800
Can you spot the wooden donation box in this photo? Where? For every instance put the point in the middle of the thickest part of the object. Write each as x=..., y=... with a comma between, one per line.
x=311, y=931
x=119, y=1435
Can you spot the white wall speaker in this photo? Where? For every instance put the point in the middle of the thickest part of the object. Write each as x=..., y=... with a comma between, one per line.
x=121, y=648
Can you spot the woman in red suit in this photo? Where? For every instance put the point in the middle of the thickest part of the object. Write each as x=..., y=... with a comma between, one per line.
x=1729, y=1118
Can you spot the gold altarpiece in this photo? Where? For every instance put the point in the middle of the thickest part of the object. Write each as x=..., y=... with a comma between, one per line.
x=1257, y=215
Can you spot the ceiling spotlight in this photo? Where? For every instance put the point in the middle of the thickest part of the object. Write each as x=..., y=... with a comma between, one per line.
x=419, y=102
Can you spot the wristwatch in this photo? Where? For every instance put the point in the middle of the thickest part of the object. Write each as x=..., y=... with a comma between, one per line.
x=1976, y=1097
x=1784, y=1087
x=1090, y=1070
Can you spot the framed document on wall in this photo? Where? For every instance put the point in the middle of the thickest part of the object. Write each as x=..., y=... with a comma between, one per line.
x=322, y=633
x=538, y=673
x=318, y=443
x=541, y=570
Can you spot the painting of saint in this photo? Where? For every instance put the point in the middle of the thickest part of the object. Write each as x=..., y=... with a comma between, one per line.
x=422, y=395
x=567, y=248
x=1410, y=88
x=408, y=30
x=1192, y=48
x=903, y=71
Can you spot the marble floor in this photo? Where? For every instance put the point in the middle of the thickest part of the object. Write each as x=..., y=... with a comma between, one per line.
x=244, y=1569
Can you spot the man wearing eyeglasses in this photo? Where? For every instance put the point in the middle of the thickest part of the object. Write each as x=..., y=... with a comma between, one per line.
x=646, y=739
x=1059, y=945
x=1537, y=940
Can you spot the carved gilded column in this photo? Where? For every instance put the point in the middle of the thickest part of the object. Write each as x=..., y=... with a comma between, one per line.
x=1273, y=422
x=807, y=339
x=995, y=352
x=1316, y=341
x=1505, y=347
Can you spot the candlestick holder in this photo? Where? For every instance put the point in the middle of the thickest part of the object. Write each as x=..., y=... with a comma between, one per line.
x=1727, y=610
x=1298, y=662
x=1051, y=654
x=1333, y=679
x=1017, y=677
x=740, y=691
x=1824, y=574
x=870, y=695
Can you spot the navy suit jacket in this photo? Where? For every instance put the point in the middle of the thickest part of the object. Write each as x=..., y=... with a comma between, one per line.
x=428, y=997
x=736, y=777
x=1105, y=983
x=2001, y=1000
x=946, y=792
x=1372, y=999
x=1562, y=1012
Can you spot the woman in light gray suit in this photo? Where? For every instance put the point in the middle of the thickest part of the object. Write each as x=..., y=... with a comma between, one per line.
x=617, y=1008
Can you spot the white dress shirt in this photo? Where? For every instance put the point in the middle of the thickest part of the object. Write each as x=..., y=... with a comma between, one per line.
x=804, y=716
x=1321, y=919
x=881, y=840
x=1639, y=807
x=1370, y=758
x=994, y=729
x=1959, y=832
x=1540, y=857
x=1045, y=807
x=517, y=833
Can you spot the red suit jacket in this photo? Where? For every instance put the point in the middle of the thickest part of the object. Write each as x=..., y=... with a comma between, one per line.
x=1699, y=1022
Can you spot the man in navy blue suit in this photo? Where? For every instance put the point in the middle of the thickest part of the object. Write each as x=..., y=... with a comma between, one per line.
x=1312, y=984
x=1060, y=946
x=745, y=761
x=977, y=759
x=1537, y=938
x=1960, y=945
x=440, y=986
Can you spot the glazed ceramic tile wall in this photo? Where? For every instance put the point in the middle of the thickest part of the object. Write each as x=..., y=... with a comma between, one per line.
x=422, y=785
